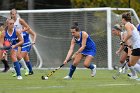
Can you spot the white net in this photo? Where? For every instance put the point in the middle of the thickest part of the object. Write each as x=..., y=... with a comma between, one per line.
x=53, y=34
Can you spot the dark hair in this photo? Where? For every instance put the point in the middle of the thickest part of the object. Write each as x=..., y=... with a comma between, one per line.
x=127, y=16
x=75, y=26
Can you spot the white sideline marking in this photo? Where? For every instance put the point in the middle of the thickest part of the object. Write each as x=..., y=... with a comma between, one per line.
x=116, y=84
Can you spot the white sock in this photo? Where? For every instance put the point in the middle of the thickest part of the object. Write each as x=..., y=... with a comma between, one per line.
x=137, y=67
x=23, y=63
x=133, y=70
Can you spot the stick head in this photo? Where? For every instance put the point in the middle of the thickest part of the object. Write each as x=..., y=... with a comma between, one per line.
x=44, y=78
x=114, y=77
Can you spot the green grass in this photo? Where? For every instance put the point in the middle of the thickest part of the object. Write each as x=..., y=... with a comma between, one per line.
x=81, y=83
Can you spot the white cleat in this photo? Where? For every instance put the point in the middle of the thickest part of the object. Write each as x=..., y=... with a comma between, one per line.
x=133, y=77
x=19, y=77
x=138, y=79
x=93, y=71
x=67, y=78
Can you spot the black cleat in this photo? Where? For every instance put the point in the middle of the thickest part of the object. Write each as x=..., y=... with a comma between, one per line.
x=31, y=73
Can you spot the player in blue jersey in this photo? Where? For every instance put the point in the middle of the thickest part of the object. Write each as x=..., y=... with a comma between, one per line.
x=26, y=47
x=138, y=27
x=25, y=30
x=87, y=49
x=11, y=35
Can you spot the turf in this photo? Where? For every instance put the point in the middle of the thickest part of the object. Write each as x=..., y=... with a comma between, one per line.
x=81, y=83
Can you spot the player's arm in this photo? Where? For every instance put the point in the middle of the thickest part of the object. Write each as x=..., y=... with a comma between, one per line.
x=129, y=28
x=84, y=40
x=121, y=47
x=33, y=34
x=24, y=24
x=2, y=38
x=70, y=51
x=20, y=39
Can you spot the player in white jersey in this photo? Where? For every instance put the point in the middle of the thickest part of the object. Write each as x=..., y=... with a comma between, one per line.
x=134, y=36
x=21, y=25
x=124, y=51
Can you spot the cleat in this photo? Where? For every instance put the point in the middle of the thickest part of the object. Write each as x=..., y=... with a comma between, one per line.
x=138, y=79
x=93, y=71
x=67, y=77
x=19, y=77
x=129, y=74
x=6, y=69
x=26, y=72
x=31, y=73
x=133, y=77
x=14, y=74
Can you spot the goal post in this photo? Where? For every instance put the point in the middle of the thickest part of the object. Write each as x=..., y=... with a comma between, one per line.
x=53, y=32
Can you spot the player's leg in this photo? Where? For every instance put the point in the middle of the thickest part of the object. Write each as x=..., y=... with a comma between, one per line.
x=4, y=60
x=132, y=63
x=21, y=54
x=88, y=64
x=29, y=64
x=76, y=61
x=13, y=55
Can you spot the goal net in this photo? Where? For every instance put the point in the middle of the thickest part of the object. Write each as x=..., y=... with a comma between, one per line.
x=53, y=33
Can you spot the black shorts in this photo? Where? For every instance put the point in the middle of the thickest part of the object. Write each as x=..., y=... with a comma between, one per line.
x=136, y=52
x=126, y=50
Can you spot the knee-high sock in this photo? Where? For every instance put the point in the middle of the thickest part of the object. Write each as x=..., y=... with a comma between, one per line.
x=133, y=70
x=22, y=62
x=5, y=62
x=17, y=68
x=72, y=69
x=29, y=65
x=137, y=67
x=91, y=66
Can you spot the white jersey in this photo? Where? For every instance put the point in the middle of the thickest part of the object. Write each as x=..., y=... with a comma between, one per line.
x=17, y=24
x=135, y=38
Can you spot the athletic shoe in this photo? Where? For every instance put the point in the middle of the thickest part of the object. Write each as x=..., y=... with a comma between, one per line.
x=138, y=79
x=6, y=69
x=67, y=78
x=93, y=71
x=26, y=72
x=31, y=73
x=19, y=77
x=133, y=77
x=14, y=74
x=129, y=74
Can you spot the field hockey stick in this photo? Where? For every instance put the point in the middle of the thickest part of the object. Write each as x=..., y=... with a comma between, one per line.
x=9, y=47
x=5, y=48
x=120, y=70
x=52, y=72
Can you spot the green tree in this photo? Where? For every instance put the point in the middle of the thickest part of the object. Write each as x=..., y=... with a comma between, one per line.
x=135, y=4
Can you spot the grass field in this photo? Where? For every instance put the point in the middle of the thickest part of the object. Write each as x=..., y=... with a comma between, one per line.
x=81, y=83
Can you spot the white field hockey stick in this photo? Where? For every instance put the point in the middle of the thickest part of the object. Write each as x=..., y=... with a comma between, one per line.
x=52, y=72
x=120, y=70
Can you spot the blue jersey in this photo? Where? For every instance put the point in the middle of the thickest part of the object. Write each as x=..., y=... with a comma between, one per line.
x=26, y=45
x=90, y=48
x=11, y=38
x=138, y=28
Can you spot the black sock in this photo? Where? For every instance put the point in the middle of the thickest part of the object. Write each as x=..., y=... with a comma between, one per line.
x=5, y=62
